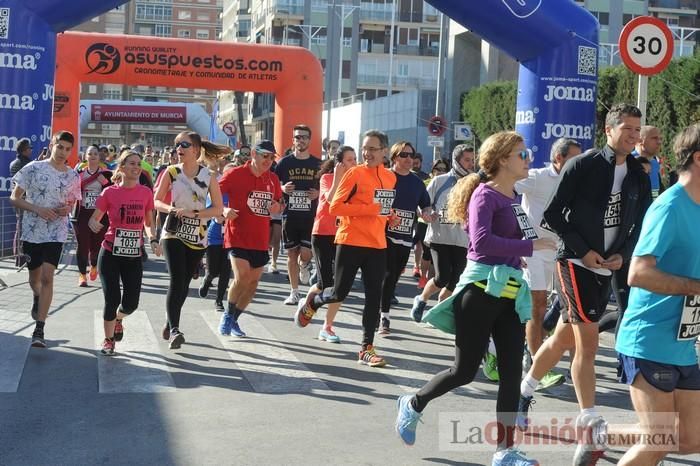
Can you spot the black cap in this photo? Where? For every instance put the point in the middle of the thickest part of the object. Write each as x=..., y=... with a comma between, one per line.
x=265, y=147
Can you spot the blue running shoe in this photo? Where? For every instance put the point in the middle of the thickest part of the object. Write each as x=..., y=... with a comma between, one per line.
x=407, y=420
x=418, y=308
x=236, y=330
x=225, y=324
x=512, y=457
x=521, y=420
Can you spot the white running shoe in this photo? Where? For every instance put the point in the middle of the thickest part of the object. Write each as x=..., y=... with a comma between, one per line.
x=305, y=273
x=271, y=268
x=292, y=299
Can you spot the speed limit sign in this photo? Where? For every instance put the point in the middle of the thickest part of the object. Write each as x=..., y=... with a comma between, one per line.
x=646, y=45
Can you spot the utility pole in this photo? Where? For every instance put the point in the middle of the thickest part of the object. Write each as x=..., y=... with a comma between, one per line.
x=390, y=84
x=439, y=100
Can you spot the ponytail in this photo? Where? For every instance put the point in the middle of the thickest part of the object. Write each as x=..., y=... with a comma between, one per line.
x=459, y=197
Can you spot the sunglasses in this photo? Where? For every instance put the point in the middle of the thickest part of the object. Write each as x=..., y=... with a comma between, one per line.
x=525, y=154
x=183, y=144
x=245, y=154
x=403, y=155
x=300, y=136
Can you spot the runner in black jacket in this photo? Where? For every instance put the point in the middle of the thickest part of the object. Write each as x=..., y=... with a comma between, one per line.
x=597, y=212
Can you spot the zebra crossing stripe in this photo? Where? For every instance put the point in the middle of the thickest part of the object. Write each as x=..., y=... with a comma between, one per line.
x=268, y=367
x=138, y=365
x=16, y=329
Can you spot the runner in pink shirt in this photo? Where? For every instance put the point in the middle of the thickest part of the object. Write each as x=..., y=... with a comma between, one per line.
x=129, y=206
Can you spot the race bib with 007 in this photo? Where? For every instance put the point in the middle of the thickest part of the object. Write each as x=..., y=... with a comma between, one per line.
x=127, y=243
x=259, y=202
x=384, y=197
x=90, y=199
x=189, y=230
x=299, y=201
x=405, y=226
x=689, y=328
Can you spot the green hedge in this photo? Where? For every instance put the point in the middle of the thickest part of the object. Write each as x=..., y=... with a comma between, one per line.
x=673, y=101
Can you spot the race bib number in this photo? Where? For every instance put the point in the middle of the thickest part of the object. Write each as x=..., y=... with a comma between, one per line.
x=189, y=230
x=442, y=217
x=524, y=222
x=689, y=328
x=127, y=243
x=405, y=226
x=259, y=203
x=299, y=201
x=90, y=199
x=385, y=197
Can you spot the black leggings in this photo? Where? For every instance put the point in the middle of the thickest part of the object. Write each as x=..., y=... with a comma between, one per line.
x=182, y=261
x=348, y=260
x=218, y=265
x=396, y=259
x=113, y=269
x=324, y=250
x=478, y=316
x=449, y=262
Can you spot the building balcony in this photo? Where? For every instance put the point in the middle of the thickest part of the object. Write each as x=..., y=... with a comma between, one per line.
x=382, y=80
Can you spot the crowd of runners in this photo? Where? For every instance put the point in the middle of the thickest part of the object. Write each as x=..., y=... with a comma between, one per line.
x=520, y=261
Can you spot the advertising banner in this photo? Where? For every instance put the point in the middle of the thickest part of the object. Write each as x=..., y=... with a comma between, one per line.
x=106, y=113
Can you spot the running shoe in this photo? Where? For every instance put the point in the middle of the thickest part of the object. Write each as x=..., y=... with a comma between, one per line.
x=82, y=280
x=422, y=281
x=292, y=299
x=418, y=308
x=369, y=357
x=225, y=324
x=416, y=272
x=107, y=347
x=236, y=330
x=35, y=308
x=512, y=457
x=176, y=339
x=93, y=273
x=490, y=367
x=219, y=306
x=384, y=327
x=305, y=273
x=272, y=268
x=407, y=420
x=166, y=332
x=521, y=420
x=204, y=288
x=551, y=379
x=118, y=330
x=592, y=441
x=394, y=300
x=327, y=334
x=305, y=312
x=38, y=339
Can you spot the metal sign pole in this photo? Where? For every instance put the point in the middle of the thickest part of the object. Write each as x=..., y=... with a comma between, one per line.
x=642, y=91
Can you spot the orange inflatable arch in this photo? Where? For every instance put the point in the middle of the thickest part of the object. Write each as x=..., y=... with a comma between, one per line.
x=293, y=74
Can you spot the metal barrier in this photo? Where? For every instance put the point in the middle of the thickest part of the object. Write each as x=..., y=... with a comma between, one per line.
x=8, y=225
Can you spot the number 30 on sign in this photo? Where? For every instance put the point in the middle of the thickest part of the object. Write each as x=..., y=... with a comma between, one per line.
x=646, y=45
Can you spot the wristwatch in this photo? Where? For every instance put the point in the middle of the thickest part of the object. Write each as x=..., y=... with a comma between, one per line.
x=196, y=213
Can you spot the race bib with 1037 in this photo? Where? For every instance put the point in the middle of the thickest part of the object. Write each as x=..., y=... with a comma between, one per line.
x=689, y=328
x=189, y=230
x=524, y=222
x=127, y=243
x=299, y=201
x=259, y=202
x=385, y=197
x=90, y=199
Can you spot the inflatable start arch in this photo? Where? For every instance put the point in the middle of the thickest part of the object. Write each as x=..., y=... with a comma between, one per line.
x=556, y=43
x=293, y=74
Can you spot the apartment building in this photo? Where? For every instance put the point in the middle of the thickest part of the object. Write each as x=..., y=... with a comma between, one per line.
x=367, y=48
x=184, y=19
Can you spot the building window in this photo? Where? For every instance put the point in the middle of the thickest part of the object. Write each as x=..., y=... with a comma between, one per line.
x=163, y=30
x=92, y=89
x=146, y=12
x=402, y=70
x=112, y=92
x=408, y=36
x=202, y=34
x=203, y=17
x=184, y=14
x=183, y=34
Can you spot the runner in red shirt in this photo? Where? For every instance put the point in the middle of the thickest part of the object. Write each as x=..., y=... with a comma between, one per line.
x=253, y=194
